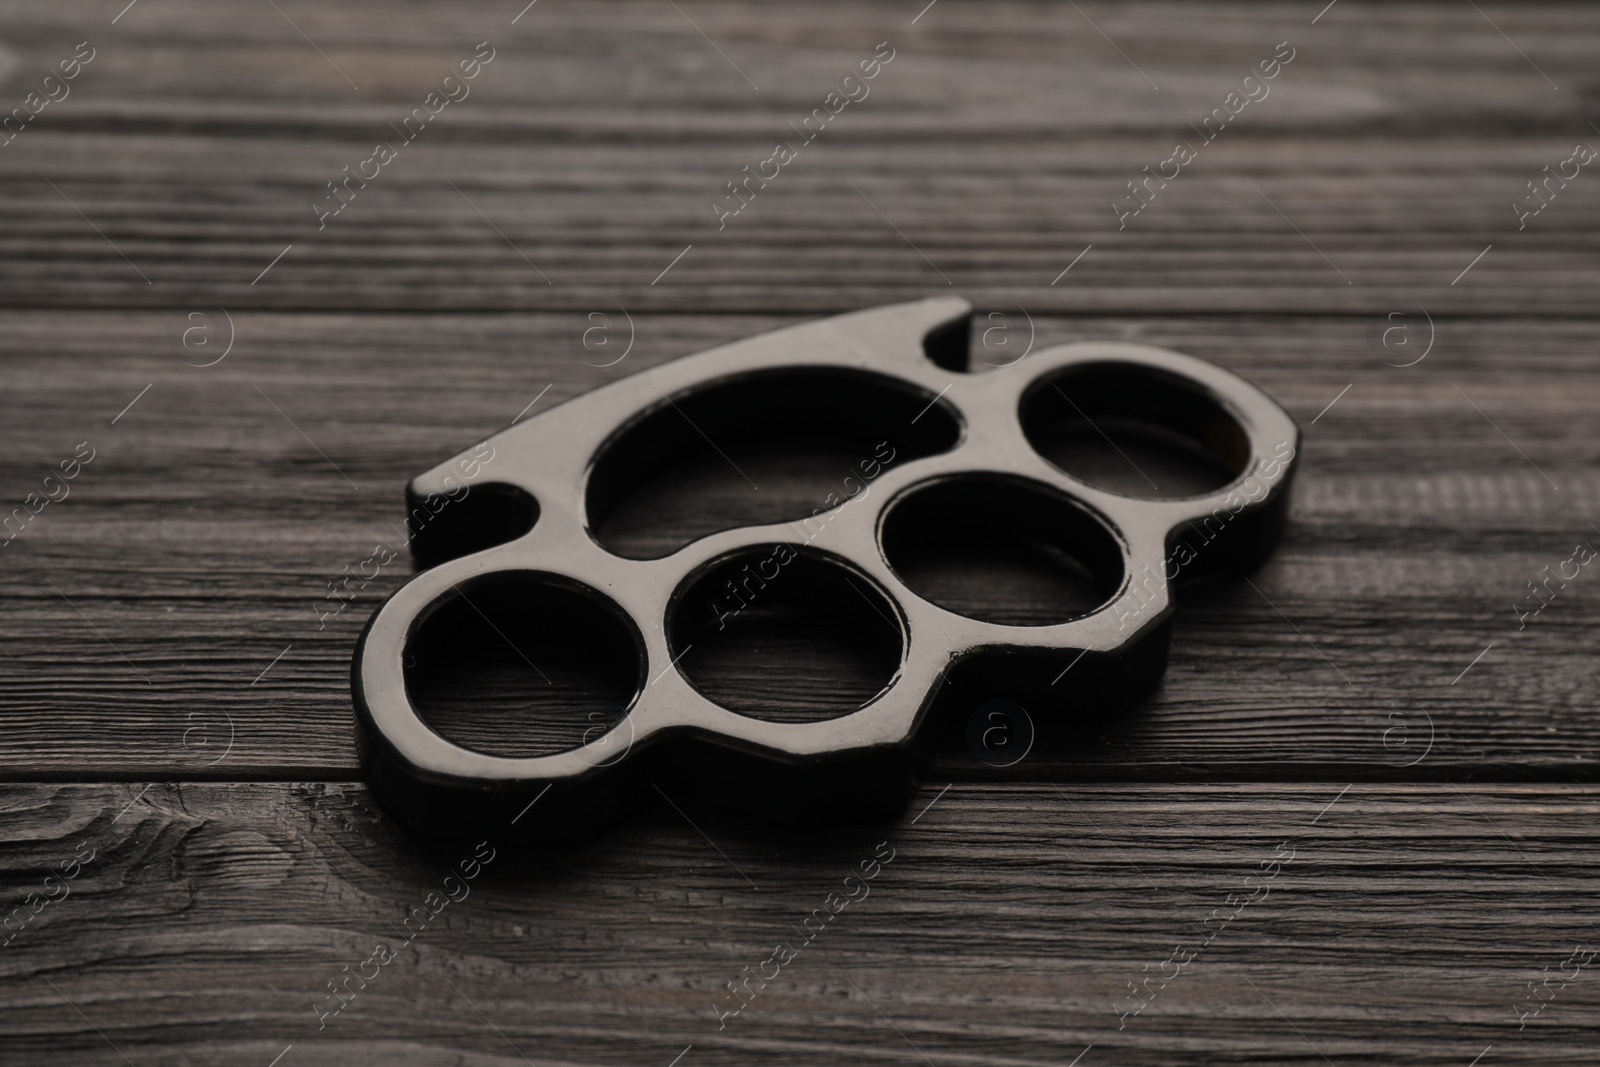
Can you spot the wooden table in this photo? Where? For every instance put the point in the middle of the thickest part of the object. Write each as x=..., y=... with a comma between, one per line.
x=181, y=782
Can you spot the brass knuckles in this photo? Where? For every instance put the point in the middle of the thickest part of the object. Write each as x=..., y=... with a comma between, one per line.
x=861, y=762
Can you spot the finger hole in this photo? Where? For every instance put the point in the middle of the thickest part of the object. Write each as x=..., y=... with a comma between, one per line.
x=785, y=635
x=522, y=665
x=1134, y=430
x=1002, y=550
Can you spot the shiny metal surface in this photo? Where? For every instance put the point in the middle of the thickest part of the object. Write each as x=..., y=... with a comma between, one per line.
x=861, y=763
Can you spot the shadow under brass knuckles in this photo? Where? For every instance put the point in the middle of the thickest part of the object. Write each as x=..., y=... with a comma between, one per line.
x=530, y=519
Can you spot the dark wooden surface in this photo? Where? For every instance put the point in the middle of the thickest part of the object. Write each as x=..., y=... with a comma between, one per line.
x=146, y=612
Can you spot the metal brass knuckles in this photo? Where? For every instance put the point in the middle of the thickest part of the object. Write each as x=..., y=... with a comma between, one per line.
x=529, y=517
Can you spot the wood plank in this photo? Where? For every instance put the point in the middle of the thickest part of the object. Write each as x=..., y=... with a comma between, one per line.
x=1405, y=926
x=597, y=144
x=595, y=224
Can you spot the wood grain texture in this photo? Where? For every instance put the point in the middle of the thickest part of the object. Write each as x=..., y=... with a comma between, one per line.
x=1403, y=929
x=173, y=698
x=996, y=141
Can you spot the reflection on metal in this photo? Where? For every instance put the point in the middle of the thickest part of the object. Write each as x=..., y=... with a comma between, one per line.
x=876, y=369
